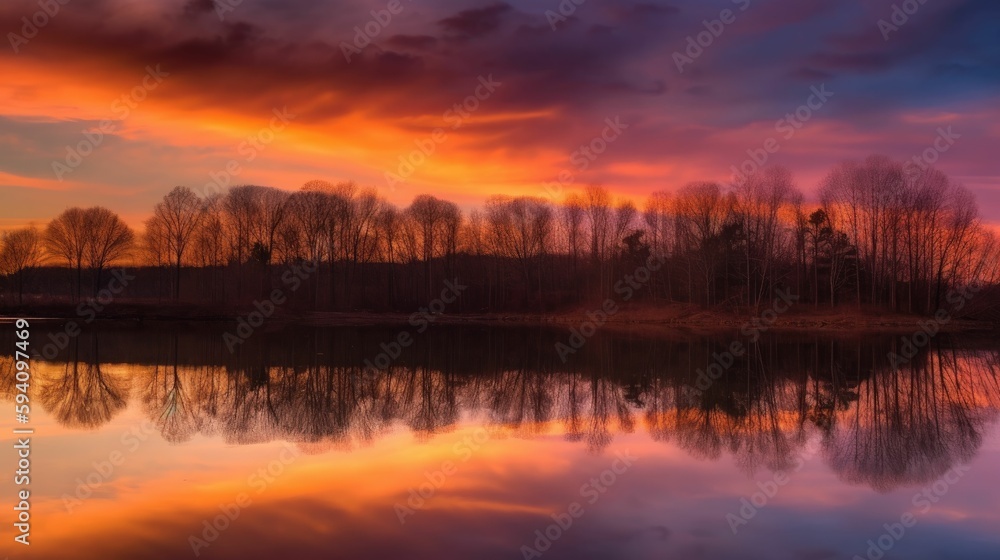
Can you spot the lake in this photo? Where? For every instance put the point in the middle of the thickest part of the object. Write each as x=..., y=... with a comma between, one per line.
x=155, y=441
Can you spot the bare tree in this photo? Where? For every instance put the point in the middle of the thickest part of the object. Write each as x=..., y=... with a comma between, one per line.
x=240, y=210
x=339, y=209
x=759, y=199
x=701, y=211
x=659, y=225
x=436, y=223
x=572, y=213
x=178, y=217
x=269, y=210
x=520, y=229
x=310, y=211
x=110, y=240
x=597, y=203
x=153, y=247
x=20, y=251
x=390, y=222
x=66, y=238
x=362, y=237
x=212, y=248
x=474, y=234
x=625, y=216
x=917, y=231
x=867, y=196
x=598, y=207
x=957, y=239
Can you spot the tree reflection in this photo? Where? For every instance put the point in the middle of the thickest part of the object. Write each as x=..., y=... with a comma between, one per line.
x=8, y=379
x=84, y=395
x=915, y=422
x=167, y=400
x=879, y=426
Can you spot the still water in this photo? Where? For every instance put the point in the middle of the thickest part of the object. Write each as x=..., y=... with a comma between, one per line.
x=481, y=443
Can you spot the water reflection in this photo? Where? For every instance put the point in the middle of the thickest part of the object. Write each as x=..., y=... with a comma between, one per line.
x=79, y=394
x=879, y=426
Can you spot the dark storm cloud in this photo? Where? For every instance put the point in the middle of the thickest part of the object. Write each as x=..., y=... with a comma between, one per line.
x=607, y=58
x=240, y=63
x=648, y=9
x=476, y=22
x=195, y=8
x=622, y=49
x=419, y=42
x=855, y=63
x=810, y=74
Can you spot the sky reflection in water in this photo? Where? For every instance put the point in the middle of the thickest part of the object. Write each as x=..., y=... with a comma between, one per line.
x=524, y=437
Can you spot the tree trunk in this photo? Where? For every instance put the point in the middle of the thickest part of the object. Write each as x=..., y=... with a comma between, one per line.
x=177, y=280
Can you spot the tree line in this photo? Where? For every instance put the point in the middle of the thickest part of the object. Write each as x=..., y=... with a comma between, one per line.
x=880, y=234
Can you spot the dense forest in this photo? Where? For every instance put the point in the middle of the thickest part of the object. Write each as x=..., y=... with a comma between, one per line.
x=880, y=234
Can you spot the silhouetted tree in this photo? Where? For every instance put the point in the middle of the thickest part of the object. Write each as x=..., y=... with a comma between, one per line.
x=66, y=239
x=20, y=251
x=109, y=240
x=177, y=218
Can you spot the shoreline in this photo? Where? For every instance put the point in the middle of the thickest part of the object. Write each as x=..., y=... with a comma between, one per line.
x=652, y=318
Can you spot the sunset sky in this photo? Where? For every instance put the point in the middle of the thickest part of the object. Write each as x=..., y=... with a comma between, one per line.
x=221, y=70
